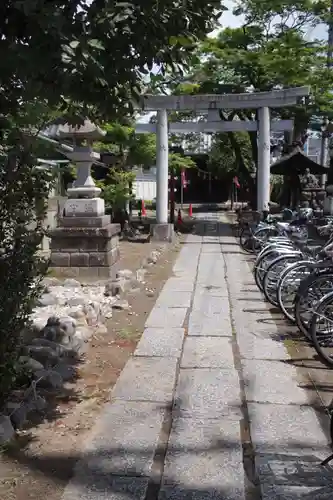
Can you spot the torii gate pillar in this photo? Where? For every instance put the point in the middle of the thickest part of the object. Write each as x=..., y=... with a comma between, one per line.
x=162, y=167
x=162, y=230
x=264, y=160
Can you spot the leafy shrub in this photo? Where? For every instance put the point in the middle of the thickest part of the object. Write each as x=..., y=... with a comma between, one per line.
x=23, y=194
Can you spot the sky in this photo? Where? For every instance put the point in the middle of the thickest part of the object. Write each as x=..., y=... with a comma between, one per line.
x=228, y=19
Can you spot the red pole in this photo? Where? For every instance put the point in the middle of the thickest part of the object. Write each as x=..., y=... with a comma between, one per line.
x=143, y=209
x=190, y=210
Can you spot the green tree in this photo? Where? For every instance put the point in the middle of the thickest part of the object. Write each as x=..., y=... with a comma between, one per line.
x=270, y=51
x=178, y=162
x=91, y=57
x=76, y=59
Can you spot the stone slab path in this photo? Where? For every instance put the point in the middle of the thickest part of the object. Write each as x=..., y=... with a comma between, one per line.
x=208, y=407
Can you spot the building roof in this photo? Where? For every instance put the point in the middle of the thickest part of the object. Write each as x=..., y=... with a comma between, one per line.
x=297, y=162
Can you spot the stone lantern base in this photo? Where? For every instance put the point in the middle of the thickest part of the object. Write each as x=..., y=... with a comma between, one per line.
x=85, y=247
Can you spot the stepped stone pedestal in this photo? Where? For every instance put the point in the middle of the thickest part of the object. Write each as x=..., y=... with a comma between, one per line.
x=85, y=244
x=85, y=247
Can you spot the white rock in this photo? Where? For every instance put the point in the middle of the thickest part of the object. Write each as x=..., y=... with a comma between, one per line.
x=51, y=282
x=121, y=304
x=72, y=283
x=125, y=273
x=77, y=301
x=140, y=275
x=48, y=299
x=153, y=257
x=68, y=324
x=84, y=333
x=77, y=313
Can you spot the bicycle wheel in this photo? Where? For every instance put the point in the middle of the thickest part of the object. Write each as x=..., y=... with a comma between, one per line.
x=273, y=274
x=246, y=239
x=261, y=266
x=274, y=246
x=261, y=236
x=310, y=291
x=288, y=285
x=322, y=329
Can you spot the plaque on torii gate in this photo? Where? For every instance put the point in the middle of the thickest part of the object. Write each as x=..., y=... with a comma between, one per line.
x=262, y=101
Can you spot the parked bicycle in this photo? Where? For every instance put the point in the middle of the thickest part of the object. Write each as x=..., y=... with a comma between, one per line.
x=296, y=274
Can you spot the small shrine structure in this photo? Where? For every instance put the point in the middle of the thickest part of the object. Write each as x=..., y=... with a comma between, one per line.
x=300, y=172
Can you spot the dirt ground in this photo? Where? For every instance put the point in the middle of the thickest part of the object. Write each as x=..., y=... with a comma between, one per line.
x=41, y=462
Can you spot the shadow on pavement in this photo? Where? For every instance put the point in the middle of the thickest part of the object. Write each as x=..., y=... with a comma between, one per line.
x=104, y=472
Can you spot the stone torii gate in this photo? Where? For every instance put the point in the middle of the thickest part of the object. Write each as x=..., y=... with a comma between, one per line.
x=209, y=105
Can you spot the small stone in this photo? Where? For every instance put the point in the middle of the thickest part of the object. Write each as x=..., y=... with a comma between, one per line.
x=48, y=299
x=52, y=321
x=33, y=330
x=78, y=314
x=7, y=431
x=125, y=273
x=91, y=315
x=114, y=288
x=62, y=332
x=53, y=333
x=152, y=259
x=78, y=346
x=30, y=364
x=39, y=403
x=120, y=286
x=59, y=349
x=101, y=330
x=140, y=275
x=84, y=333
x=72, y=283
x=68, y=324
x=150, y=293
x=34, y=403
x=48, y=379
x=121, y=304
x=38, y=324
x=18, y=413
x=66, y=371
x=76, y=301
x=48, y=282
x=45, y=355
x=96, y=306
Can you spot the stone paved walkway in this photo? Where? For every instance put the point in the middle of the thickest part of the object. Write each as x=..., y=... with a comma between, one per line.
x=208, y=407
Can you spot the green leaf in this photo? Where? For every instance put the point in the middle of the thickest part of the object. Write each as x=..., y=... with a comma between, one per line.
x=96, y=44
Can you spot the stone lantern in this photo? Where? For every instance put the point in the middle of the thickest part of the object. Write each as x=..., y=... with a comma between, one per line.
x=86, y=243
